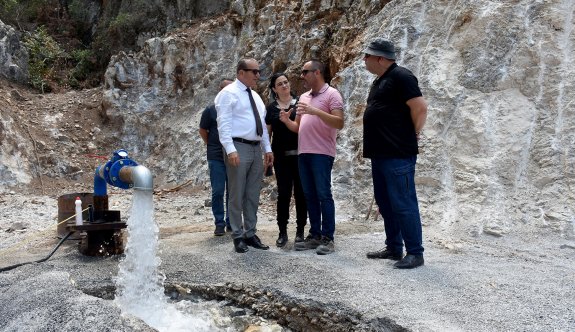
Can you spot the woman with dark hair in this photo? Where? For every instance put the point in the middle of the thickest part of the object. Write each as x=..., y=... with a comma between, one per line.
x=284, y=146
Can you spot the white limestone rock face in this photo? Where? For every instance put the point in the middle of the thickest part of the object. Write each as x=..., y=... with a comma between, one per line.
x=15, y=154
x=498, y=139
x=497, y=154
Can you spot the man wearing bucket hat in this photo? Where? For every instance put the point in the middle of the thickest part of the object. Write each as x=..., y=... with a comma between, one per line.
x=392, y=122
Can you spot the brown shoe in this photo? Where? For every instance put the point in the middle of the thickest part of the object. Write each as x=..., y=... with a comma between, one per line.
x=310, y=242
x=385, y=254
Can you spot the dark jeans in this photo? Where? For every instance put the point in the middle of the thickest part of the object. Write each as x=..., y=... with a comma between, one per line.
x=315, y=174
x=218, y=181
x=394, y=190
x=287, y=178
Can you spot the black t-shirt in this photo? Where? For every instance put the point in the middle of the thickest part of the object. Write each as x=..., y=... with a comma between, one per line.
x=209, y=123
x=283, y=138
x=387, y=125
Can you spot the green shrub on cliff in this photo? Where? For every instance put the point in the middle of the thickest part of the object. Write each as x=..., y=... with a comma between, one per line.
x=44, y=53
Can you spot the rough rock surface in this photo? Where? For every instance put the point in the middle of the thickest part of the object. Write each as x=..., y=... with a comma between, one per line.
x=13, y=55
x=496, y=156
x=495, y=174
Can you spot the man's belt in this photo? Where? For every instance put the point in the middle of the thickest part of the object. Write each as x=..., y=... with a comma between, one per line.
x=246, y=141
x=290, y=153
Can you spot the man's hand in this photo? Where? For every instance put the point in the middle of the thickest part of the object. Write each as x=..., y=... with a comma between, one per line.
x=269, y=159
x=334, y=120
x=234, y=159
x=305, y=108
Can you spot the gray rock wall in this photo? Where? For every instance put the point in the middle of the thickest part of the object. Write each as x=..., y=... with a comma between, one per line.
x=13, y=55
x=497, y=155
x=497, y=146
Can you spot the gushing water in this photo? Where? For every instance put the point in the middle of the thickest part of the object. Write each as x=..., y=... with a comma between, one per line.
x=140, y=285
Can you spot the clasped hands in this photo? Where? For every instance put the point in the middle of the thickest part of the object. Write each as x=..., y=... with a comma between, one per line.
x=234, y=159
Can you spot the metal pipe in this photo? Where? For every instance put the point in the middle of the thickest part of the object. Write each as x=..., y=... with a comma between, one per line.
x=139, y=176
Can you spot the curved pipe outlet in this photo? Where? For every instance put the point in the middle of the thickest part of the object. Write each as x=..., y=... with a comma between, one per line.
x=140, y=176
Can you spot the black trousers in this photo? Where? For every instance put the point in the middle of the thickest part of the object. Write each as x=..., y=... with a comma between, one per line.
x=287, y=178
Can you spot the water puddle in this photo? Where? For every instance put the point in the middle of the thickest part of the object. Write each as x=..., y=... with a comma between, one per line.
x=222, y=314
x=140, y=291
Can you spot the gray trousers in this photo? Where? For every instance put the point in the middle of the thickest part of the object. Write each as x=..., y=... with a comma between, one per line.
x=244, y=185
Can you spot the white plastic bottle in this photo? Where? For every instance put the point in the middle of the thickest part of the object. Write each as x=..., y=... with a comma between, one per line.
x=78, y=203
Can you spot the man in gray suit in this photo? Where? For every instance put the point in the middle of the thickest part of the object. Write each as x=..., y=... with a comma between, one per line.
x=241, y=113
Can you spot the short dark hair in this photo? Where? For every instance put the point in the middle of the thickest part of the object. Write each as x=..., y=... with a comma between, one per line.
x=243, y=64
x=318, y=65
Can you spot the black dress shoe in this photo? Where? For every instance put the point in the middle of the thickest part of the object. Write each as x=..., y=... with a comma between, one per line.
x=240, y=245
x=409, y=262
x=282, y=240
x=255, y=242
x=385, y=254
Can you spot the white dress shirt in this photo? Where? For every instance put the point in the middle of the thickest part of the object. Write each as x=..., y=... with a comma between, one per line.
x=236, y=117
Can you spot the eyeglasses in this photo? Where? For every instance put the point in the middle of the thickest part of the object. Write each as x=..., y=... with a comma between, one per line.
x=284, y=83
x=305, y=71
x=254, y=71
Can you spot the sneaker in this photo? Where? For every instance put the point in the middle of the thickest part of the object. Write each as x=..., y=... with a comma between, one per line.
x=326, y=247
x=409, y=262
x=298, y=237
x=228, y=228
x=219, y=231
x=310, y=242
x=385, y=254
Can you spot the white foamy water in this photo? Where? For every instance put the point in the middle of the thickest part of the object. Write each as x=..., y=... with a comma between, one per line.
x=139, y=285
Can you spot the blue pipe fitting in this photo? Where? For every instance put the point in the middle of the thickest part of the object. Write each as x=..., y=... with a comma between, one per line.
x=110, y=173
x=114, y=173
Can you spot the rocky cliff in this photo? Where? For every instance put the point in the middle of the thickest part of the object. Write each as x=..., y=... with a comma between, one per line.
x=13, y=55
x=497, y=154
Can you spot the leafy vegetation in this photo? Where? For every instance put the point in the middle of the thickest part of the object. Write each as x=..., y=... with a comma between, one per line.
x=70, y=41
x=44, y=54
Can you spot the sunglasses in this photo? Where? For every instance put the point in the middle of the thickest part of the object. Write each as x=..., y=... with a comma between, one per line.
x=254, y=71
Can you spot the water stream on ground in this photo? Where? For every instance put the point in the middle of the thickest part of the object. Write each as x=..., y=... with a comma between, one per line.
x=140, y=289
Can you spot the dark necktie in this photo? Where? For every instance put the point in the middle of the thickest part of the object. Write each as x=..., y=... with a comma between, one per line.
x=259, y=129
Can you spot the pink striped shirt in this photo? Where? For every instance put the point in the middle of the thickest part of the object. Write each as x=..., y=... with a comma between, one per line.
x=315, y=136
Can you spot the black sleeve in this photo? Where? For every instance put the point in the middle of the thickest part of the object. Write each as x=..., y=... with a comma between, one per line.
x=205, y=121
x=409, y=85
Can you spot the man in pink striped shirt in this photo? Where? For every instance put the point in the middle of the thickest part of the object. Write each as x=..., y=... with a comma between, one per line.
x=320, y=115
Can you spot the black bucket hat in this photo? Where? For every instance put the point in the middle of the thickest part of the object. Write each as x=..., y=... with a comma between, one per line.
x=381, y=47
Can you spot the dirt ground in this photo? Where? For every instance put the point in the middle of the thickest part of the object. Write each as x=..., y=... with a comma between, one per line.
x=469, y=283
